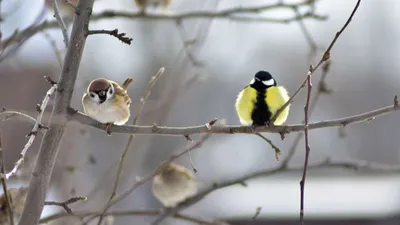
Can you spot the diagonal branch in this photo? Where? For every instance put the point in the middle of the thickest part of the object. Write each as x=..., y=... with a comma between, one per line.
x=61, y=23
x=36, y=127
x=51, y=141
x=325, y=57
x=9, y=207
x=131, y=138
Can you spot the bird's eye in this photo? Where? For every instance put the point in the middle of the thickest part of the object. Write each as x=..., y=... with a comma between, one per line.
x=92, y=95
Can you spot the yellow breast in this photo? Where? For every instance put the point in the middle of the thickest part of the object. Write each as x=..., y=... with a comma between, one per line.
x=276, y=97
x=245, y=104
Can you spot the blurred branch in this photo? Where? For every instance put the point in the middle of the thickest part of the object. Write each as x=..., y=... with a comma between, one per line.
x=7, y=196
x=122, y=213
x=194, y=145
x=66, y=203
x=325, y=57
x=36, y=127
x=61, y=23
x=354, y=165
x=307, y=145
x=119, y=36
x=20, y=36
x=6, y=115
x=51, y=141
x=143, y=101
x=277, y=151
x=231, y=129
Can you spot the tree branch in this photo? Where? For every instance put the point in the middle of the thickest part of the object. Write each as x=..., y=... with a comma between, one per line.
x=123, y=213
x=143, y=101
x=354, y=165
x=52, y=138
x=119, y=36
x=9, y=207
x=66, y=203
x=231, y=129
x=230, y=14
x=36, y=127
x=61, y=23
x=325, y=57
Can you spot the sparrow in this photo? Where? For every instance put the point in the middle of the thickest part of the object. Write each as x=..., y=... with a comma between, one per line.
x=17, y=199
x=143, y=4
x=107, y=102
x=173, y=184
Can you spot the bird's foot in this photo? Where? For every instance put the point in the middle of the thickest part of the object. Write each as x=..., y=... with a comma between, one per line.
x=253, y=127
x=108, y=126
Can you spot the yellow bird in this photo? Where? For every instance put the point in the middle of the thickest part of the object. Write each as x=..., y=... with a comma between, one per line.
x=259, y=101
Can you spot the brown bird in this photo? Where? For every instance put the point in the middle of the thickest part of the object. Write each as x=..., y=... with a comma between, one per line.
x=17, y=199
x=107, y=102
x=63, y=7
x=143, y=4
x=173, y=184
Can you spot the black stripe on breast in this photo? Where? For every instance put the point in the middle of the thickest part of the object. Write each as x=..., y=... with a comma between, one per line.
x=261, y=114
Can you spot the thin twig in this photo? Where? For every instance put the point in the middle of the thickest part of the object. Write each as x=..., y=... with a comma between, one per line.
x=53, y=45
x=325, y=57
x=6, y=115
x=57, y=216
x=277, y=151
x=353, y=165
x=322, y=88
x=303, y=179
x=143, y=101
x=66, y=204
x=119, y=36
x=232, y=129
x=4, y=184
x=36, y=127
x=61, y=23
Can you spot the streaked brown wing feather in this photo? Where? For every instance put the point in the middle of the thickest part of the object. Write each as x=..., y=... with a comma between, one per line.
x=119, y=91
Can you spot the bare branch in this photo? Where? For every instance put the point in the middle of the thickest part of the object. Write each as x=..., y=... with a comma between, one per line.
x=143, y=101
x=303, y=179
x=277, y=151
x=231, y=129
x=123, y=213
x=66, y=204
x=61, y=23
x=7, y=197
x=52, y=138
x=36, y=127
x=119, y=36
x=324, y=58
x=20, y=36
x=354, y=165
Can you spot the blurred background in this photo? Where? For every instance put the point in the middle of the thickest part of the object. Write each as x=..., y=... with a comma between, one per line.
x=207, y=62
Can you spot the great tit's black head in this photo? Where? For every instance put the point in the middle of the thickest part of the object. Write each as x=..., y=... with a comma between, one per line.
x=263, y=79
x=100, y=90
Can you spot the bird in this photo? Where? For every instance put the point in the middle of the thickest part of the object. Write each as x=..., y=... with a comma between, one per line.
x=173, y=184
x=260, y=100
x=64, y=8
x=17, y=199
x=143, y=4
x=107, y=102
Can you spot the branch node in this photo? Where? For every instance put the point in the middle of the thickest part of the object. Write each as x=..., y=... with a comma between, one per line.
x=187, y=137
x=211, y=123
x=51, y=81
x=154, y=127
x=395, y=101
x=38, y=108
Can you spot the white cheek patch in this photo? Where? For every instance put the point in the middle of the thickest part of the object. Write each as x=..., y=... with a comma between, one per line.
x=269, y=82
x=252, y=81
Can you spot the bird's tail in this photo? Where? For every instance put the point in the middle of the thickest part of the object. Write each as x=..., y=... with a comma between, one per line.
x=126, y=83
